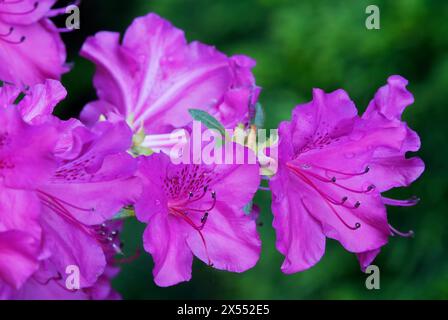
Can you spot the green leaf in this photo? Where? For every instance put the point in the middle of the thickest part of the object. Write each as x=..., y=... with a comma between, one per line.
x=124, y=213
x=208, y=120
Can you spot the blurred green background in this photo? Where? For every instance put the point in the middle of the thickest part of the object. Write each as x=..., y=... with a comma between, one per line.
x=300, y=45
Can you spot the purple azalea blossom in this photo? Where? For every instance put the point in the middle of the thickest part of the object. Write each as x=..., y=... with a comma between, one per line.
x=64, y=181
x=84, y=192
x=154, y=77
x=31, y=48
x=333, y=166
x=24, y=165
x=49, y=284
x=197, y=210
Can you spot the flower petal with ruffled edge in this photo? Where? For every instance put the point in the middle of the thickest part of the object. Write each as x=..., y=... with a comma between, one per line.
x=329, y=180
x=194, y=209
x=154, y=77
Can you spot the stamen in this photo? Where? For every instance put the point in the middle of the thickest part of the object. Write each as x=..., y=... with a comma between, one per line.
x=68, y=204
x=202, y=210
x=366, y=170
x=130, y=259
x=35, y=6
x=333, y=180
x=357, y=224
x=408, y=234
x=401, y=203
x=11, y=30
x=198, y=229
x=10, y=2
x=204, y=218
x=329, y=201
x=21, y=40
x=187, y=189
x=99, y=232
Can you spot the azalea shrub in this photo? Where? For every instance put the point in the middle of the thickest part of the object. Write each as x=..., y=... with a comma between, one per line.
x=67, y=185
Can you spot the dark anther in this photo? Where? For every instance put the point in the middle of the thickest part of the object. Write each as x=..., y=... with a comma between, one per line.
x=204, y=217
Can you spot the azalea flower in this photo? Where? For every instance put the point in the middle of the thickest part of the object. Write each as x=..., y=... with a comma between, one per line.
x=24, y=165
x=49, y=284
x=31, y=49
x=333, y=167
x=68, y=179
x=197, y=210
x=154, y=77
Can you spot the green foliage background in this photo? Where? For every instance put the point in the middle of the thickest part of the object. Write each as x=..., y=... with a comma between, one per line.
x=300, y=45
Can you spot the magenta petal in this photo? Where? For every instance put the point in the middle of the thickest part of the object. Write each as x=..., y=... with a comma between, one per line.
x=366, y=258
x=25, y=151
x=33, y=290
x=164, y=239
x=396, y=171
x=99, y=181
x=390, y=167
x=41, y=99
x=153, y=199
x=157, y=77
x=26, y=208
x=231, y=240
x=300, y=236
x=392, y=99
x=39, y=57
x=114, y=77
x=24, y=12
x=331, y=114
x=18, y=257
x=8, y=94
x=73, y=244
x=103, y=195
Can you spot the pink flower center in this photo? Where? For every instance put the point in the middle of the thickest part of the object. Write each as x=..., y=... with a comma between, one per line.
x=189, y=194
